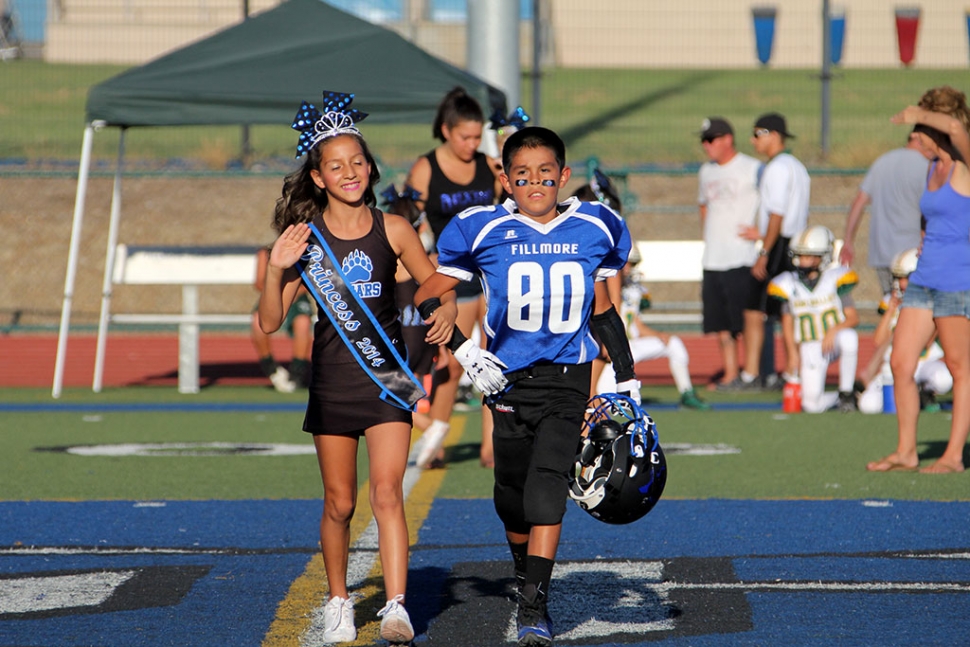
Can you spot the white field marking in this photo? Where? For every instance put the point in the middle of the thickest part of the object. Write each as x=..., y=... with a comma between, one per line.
x=841, y=587
x=149, y=504
x=68, y=550
x=696, y=449
x=877, y=504
x=938, y=556
x=363, y=555
x=32, y=594
x=629, y=599
x=192, y=449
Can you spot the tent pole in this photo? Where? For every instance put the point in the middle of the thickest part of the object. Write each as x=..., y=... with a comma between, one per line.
x=109, y=265
x=536, y=61
x=72, y=257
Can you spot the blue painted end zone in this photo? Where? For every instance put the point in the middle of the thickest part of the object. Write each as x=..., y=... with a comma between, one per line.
x=711, y=572
x=206, y=572
x=725, y=573
x=717, y=527
x=275, y=525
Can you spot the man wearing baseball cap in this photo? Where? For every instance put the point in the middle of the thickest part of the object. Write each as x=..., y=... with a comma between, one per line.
x=784, y=189
x=714, y=127
x=728, y=201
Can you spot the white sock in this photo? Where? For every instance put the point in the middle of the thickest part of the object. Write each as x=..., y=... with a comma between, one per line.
x=438, y=426
x=678, y=360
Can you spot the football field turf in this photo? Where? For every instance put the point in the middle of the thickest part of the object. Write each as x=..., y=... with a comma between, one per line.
x=140, y=517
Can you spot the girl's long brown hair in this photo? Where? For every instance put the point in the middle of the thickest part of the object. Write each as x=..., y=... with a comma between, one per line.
x=302, y=200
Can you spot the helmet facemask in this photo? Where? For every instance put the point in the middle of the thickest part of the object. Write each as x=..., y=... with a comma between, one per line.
x=620, y=469
x=808, y=274
x=814, y=242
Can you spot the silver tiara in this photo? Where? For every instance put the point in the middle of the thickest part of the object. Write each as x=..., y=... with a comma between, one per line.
x=337, y=118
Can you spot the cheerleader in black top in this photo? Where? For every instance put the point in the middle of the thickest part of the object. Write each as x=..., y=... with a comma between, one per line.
x=451, y=178
x=333, y=191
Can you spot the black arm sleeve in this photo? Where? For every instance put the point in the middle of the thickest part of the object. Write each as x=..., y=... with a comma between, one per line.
x=427, y=307
x=609, y=328
x=457, y=339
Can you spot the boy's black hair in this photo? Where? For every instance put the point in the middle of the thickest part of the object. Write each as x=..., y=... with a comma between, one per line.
x=533, y=137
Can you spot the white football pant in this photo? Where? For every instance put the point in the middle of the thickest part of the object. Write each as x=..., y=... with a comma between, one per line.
x=646, y=348
x=814, y=365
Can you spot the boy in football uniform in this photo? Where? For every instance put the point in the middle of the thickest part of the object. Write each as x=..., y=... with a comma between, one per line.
x=544, y=265
x=932, y=375
x=818, y=309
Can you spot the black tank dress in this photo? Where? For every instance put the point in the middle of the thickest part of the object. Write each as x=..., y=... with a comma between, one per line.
x=446, y=199
x=343, y=399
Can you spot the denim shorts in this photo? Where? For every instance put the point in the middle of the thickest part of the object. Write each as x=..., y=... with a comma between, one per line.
x=943, y=304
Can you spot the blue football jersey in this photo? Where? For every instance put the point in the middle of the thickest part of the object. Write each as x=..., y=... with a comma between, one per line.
x=538, y=277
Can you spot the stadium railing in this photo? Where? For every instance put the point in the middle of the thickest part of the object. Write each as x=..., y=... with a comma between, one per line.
x=189, y=267
x=677, y=261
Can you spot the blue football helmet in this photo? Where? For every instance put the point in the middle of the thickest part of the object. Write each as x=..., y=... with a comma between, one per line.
x=620, y=470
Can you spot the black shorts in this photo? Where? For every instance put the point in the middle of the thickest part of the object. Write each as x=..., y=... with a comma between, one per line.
x=345, y=401
x=726, y=294
x=778, y=261
x=538, y=424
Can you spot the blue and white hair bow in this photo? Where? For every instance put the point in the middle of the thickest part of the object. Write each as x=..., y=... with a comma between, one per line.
x=390, y=195
x=600, y=184
x=516, y=120
x=337, y=118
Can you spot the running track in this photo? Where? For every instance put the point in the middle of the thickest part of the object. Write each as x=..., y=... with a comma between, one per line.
x=27, y=360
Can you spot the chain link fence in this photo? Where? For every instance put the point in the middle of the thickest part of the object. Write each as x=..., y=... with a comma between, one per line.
x=626, y=83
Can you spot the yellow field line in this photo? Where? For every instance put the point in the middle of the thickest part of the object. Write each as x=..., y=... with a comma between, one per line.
x=309, y=590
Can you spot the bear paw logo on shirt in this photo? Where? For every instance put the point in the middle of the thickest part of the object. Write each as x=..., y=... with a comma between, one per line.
x=358, y=268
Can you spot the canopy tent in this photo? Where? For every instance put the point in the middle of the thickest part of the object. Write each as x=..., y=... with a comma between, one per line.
x=258, y=72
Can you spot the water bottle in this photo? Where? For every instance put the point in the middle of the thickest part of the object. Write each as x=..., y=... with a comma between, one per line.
x=888, y=397
x=791, y=397
x=888, y=390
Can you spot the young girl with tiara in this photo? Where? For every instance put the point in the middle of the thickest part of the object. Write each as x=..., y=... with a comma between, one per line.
x=346, y=252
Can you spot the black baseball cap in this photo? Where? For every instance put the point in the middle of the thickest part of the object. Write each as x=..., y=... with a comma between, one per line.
x=774, y=121
x=715, y=127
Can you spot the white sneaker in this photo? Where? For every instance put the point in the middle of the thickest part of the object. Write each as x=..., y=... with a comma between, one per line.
x=338, y=618
x=430, y=444
x=396, y=625
x=281, y=380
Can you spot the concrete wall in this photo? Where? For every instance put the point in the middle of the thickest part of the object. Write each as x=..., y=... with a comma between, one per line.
x=609, y=33
x=720, y=34
x=134, y=31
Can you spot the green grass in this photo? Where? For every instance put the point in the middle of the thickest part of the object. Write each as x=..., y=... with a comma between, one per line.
x=627, y=118
x=781, y=457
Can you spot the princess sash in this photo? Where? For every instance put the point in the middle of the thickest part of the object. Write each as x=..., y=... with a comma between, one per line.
x=356, y=325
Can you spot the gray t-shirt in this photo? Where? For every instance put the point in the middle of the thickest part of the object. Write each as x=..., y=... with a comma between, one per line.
x=894, y=183
x=730, y=193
